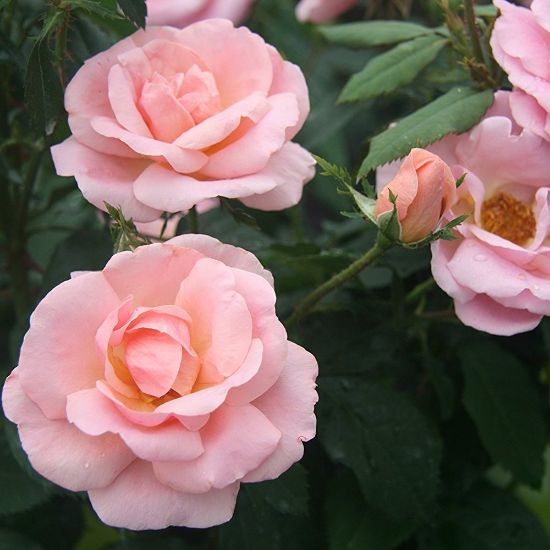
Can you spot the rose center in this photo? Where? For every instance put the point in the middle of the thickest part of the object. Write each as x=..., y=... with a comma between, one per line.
x=509, y=218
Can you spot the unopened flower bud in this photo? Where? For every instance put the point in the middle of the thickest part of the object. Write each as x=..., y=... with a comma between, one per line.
x=423, y=190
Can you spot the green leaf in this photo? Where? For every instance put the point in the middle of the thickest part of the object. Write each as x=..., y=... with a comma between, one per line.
x=504, y=404
x=10, y=540
x=387, y=443
x=19, y=491
x=43, y=89
x=71, y=255
x=392, y=69
x=455, y=112
x=339, y=173
x=354, y=525
x=288, y=494
x=134, y=10
x=492, y=519
x=264, y=510
x=372, y=33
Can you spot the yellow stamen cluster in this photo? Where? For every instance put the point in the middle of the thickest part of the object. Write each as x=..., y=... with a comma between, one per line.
x=509, y=218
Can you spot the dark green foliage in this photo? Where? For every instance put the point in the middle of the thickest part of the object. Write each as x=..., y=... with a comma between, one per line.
x=416, y=410
x=135, y=10
x=504, y=403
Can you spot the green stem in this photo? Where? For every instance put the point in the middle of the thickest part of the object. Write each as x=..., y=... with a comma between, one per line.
x=469, y=12
x=193, y=220
x=419, y=290
x=337, y=280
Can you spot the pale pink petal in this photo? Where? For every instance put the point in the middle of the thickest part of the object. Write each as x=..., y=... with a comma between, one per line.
x=528, y=113
x=541, y=10
x=241, y=67
x=165, y=115
x=168, y=56
x=60, y=452
x=182, y=160
x=480, y=269
x=172, y=192
x=526, y=157
x=260, y=299
x=63, y=339
x=288, y=77
x=209, y=399
x=216, y=128
x=520, y=36
x=442, y=254
x=103, y=178
x=152, y=274
x=153, y=359
x=137, y=500
x=122, y=97
x=177, y=13
x=221, y=329
x=485, y=314
x=96, y=415
x=319, y=11
x=228, y=254
x=526, y=301
x=291, y=168
x=249, y=152
x=86, y=96
x=236, y=440
x=289, y=406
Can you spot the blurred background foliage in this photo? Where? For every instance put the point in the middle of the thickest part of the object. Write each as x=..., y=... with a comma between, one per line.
x=431, y=436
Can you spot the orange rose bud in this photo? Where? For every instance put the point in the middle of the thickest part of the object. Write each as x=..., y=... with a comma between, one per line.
x=425, y=188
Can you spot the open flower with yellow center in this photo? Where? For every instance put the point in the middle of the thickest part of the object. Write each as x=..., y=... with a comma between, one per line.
x=498, y=271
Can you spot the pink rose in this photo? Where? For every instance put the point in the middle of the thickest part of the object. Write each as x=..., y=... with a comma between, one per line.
x=521, y=45
x=161, y=383
x=318, y=11
x=425, y=188
x=498, y=271
x=167, y=118
x=180, y=13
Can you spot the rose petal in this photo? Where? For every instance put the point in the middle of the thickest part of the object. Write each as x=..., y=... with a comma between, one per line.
x=137, y=500
x=152, y=274
x=60, y=452
x=289, y=406
x=103, y=178
x=236, y=441
x=485, y=314
x=73, y=362
x=95, y=415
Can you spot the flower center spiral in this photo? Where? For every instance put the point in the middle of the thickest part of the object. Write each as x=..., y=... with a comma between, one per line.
x=509, y=218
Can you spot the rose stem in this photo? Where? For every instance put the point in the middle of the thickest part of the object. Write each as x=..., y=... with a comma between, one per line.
x=337, y=280
x=469, y=12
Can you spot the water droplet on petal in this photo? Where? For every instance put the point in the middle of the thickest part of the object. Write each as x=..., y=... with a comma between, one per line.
x=86, y=465
x=480, y=258
x=522, y=276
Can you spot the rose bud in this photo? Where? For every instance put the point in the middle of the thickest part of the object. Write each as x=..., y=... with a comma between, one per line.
x=424, y=189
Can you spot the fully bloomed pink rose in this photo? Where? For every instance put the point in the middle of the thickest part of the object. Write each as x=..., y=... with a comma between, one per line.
x=168, y=118
x=521, y=45
x=318, y=11
x=180, y=13
x=161, y=383
x=498, y=271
